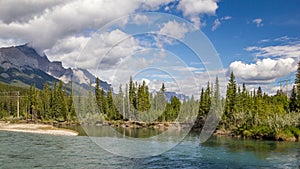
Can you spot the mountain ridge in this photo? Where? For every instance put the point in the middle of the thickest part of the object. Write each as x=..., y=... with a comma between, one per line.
x=22, y=65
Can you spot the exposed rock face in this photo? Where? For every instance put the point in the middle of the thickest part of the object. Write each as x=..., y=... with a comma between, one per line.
x=25, y=65
x=170, y=95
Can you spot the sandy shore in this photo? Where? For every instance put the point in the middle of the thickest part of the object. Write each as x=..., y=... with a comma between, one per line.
x=37, y=128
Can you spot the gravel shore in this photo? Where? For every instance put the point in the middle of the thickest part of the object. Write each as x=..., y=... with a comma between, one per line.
x=36, y=128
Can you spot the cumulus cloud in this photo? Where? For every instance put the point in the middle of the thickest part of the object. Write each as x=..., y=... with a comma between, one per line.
x=272, y=62
x=67, y=50
x=169, y=32
x=258, y=22
x=68, y=19
x=141, y=19
x=44, y=23
x=115, y=46
x=174, y=29
x=263, y=71
x=23, y=11
x=193, y=8
x=62, y=29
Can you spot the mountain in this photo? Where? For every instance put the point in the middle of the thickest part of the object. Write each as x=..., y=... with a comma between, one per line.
x=22, y=65
x=170, y=95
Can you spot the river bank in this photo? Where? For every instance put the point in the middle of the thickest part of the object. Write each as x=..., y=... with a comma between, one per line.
x=291, y=135
x=36, y=128
x=61, y=128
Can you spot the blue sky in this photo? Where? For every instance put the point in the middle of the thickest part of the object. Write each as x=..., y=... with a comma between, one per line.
x=279, y=18
x=258, y=40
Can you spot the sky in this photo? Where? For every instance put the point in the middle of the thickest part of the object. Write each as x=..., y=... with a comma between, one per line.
x=183, y=43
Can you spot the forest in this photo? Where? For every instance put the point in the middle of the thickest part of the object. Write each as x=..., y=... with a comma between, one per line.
x=242, y=112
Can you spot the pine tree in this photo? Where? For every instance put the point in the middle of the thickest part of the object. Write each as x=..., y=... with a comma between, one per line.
x=112, y=113
x=71, y=107
x=120, y=101
x=127, y=103
x=207, y=98
x=230, y=98
x=62, y=100
x=216, y=104
x=293, y=100
x=32, y=103
x=46, y=93
x=132, y=92
x=202, y=104
x=99, y=96
x=297, y=82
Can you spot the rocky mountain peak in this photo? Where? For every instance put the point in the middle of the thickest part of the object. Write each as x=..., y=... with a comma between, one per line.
x=20, y=63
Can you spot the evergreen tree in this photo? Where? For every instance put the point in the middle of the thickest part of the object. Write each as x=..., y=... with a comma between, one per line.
x=230, y=97
x=293, y=100
x=216, y=104
x=132, y=92
x=143, y=102
x=99, y=96
x=46, y=100
x=120, y=101
x=202, y=104
x=62, y=103
x=297, y=82
x=112, y=113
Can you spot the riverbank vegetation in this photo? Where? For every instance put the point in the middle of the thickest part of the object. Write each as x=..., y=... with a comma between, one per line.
x=242, y=112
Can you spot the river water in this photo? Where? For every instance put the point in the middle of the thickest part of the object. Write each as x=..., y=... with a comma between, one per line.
x=25, y=150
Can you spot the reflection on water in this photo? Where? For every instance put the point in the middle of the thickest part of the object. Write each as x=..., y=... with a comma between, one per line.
x=24, y=150
x=103, y=131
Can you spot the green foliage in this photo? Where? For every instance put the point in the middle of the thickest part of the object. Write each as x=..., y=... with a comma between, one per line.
x=293, y=105
x=256, y=114
x=230, y=101
x=172, y=110
x=47, y=104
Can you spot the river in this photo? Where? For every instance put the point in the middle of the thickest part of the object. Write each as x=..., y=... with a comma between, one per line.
x=25, y=150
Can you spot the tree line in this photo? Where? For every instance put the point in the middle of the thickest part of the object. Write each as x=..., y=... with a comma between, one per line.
x=254, y=113
x=243, y=112
x=137, y=103
x=49, y=104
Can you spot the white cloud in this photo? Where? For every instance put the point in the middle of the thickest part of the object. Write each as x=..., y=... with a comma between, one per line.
x=67, y=50
x=67, y=19
x=141, y=19
x=263, y=71
x=226, y=18
x=264, y=41
x=193, y=8
x=11, y=42
x=217, y=23
x=258, y=22
x=286, y=51
x=46, y=22
x=62, y=29
x=59, y=25
x=89, y=53
x=23, y=11
x=171, y=31
x=174, y=29
x=153, y=4
x=115, y=46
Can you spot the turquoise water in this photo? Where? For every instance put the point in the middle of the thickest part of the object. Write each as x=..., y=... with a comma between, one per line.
x=25, y=150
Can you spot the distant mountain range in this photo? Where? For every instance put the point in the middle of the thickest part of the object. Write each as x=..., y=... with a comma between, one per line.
x=23, y=66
